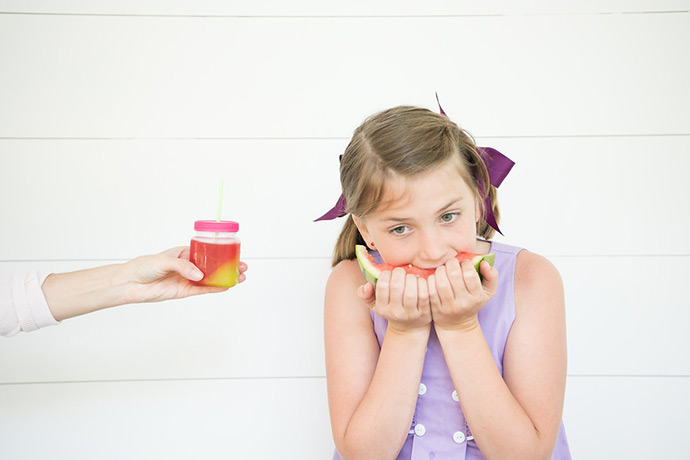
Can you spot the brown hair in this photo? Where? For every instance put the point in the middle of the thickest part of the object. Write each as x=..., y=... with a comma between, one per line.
x=406, y=141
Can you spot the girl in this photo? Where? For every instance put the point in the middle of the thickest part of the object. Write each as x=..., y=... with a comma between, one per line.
x=457, y=365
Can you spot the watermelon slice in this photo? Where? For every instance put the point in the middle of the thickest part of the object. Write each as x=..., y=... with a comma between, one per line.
x=372, y=270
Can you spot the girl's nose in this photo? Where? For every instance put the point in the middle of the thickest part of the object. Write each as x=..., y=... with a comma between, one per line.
x=432, y=250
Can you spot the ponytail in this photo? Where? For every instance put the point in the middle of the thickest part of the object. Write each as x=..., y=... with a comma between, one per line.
x=484, y=230
x=348, y=238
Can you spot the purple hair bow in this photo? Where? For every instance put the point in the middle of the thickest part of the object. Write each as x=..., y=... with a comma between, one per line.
x=336, y=211
x=497, y=165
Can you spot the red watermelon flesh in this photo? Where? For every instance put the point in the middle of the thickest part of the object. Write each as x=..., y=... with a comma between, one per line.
x=372, y=270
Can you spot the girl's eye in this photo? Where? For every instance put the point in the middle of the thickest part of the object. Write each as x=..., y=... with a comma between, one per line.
x=449, y=217
x=399, y=230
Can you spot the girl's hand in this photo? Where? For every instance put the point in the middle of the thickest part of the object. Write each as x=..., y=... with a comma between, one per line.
x=457, y=294
x=166, y=276
x=400, y=298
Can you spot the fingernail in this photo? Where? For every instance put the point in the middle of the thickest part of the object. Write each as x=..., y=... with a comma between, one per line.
x=196, y=274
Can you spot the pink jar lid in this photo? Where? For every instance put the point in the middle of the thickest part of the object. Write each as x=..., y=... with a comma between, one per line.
x=227, y=226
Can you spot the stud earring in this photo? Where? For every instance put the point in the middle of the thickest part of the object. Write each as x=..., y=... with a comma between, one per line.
x=371, y=245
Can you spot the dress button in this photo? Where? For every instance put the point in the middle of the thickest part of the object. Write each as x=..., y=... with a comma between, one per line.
x=419, y=429
x=459, y=437
x=422, y=388
x=455, y=396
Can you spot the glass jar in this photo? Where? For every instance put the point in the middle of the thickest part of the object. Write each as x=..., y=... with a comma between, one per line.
x=215, y=250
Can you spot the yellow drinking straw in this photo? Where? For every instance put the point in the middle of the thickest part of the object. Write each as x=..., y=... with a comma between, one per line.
x=220, y=201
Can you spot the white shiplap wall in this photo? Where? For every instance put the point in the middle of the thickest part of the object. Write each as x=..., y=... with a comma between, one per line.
x=117, y=119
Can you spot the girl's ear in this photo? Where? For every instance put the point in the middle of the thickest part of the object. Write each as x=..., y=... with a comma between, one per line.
x=362, y=227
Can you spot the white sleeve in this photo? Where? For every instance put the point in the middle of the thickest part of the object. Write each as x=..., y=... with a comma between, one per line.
x=23, y=306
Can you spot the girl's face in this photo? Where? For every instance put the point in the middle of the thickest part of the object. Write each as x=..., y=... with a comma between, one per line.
x=423, y=220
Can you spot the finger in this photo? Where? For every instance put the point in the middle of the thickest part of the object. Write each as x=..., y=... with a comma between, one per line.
x=490, y=276
x=423, y=295
x=243, y=267
x=241, y=278
x=455, y=276
x=182, y=266
x=471, y=278
x=366, y=292
x=198, y=290
x=397, y=286
x=445, y=291
x=177, y=251
x=383, y=288
x=434, y=298
x=410, y=292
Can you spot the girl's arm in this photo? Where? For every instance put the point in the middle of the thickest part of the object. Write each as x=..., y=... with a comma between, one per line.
x=372, y=393
x=518, y=415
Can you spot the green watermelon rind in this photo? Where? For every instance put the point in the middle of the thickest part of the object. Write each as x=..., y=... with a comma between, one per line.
x=371, y=271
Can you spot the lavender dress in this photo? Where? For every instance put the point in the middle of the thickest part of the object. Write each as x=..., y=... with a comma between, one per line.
x=439, y=430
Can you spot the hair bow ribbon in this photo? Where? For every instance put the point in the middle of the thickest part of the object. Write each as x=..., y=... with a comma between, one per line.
x=336, y=211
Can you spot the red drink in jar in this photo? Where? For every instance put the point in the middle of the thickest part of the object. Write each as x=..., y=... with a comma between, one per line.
x=216, y=251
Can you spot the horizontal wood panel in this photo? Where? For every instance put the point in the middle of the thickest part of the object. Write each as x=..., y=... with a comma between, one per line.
x=119, y=199
x=625, y=317
x=93, y=76
x=632, y=418
x=597, y=196
x=355, y=7
x=112, y=199
x=250, y=419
